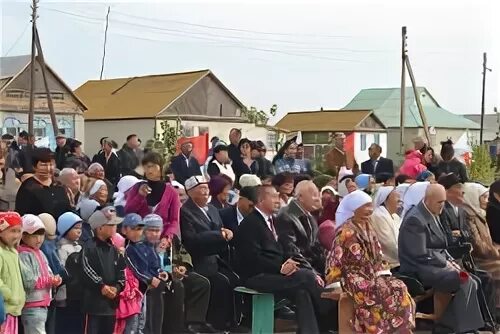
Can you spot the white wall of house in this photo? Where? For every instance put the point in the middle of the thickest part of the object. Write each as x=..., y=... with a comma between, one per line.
x=117, y=130
x=363, y=140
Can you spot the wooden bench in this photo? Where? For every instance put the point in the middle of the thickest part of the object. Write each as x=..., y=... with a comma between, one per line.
x=262, y=310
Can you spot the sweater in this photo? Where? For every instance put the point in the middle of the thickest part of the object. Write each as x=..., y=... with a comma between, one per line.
x=36, y=276
x=11, y=283
x=64, y=249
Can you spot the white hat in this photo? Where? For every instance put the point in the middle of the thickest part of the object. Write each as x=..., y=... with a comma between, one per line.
x=413, y=196
x=194, y=181
x=330, y=188
x=32, y=223
x=349, y=204
x=249, y=180
x=127, y=182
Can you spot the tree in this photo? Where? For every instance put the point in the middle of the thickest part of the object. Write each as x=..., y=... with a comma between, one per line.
x=259, y=117
x=165, y=143
x=481, y=169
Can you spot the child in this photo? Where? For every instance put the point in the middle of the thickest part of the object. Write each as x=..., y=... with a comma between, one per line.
x=145, y=264
x=102, y=273
x=37, y=277
x=183, y=307
x=68, y=298
x=49, y=248
x=11, y=283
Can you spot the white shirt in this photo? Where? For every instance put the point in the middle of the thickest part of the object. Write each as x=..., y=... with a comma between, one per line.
x=187, y=160
x=239, y=216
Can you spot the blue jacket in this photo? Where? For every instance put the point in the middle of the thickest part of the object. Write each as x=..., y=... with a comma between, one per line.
x=143, y=260
x=2, y=310
x=49, y=248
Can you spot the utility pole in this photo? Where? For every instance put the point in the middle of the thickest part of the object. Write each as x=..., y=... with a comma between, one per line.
x=485, y=68
x=105, y=41
x=31, y=113
x=403, y=91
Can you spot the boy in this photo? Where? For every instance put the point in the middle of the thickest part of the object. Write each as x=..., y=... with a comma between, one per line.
x=103, y=273
x=11, y=283
x=37, y=277
x=145, y=264
x=186, y=304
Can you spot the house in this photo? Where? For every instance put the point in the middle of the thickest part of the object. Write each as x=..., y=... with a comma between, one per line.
x=491, y=130
x=361, y=127
x=197, y=100
x=15, y=96
x=386, y=106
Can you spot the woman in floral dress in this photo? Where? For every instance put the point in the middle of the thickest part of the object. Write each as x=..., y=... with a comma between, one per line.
x=382, y=303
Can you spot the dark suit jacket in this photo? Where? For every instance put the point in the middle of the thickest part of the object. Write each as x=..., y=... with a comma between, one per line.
x=229, y=218
x=257, y=251
x=112, y=167
x=181, y=171
x=298, y=234
x=202, y=238
x=384, y=165
x=422, y=250
x=451, y=222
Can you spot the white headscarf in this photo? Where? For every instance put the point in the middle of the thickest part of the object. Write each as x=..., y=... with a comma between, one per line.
x=124, y=185
x=349, y=204
x=343, y=192
x=472, y=192
x=97, y=185
x=382, y=194
x=401, y=189
x=413, y=196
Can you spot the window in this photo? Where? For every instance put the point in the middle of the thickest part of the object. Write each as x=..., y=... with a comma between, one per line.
x=57, y=96
x=202, y=130
x=65, y=127
x=11, y=126
x=271, y=141
x=376, y=138
x=15, y=93
x=362, y=142
x=314, y=138
x=187, y=131
x=40, y=128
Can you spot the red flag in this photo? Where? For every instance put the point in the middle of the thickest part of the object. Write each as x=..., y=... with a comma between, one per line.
x=200, y=147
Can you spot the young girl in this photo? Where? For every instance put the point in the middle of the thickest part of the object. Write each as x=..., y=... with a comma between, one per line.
x=37, y=277
x=11, y=283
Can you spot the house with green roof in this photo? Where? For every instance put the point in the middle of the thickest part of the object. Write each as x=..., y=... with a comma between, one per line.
x=386, y=106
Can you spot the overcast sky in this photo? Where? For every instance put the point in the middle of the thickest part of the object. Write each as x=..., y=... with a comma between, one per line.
x=300, y=55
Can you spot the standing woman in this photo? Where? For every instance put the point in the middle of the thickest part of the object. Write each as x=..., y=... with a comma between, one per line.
x=285, y=160
x=246, y=165
x=155, y=196
x=220, y=163
x=450, y=164
x=430, y=160
x=109, y=160
x=382, y=303
x=386, y=223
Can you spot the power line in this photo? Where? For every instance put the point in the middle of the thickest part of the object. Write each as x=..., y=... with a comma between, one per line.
x=17, y=40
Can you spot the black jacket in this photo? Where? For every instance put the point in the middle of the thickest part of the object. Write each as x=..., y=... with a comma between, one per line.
x=453, y=166
x=229, y=218
x=112, y=168
x=234, y=153
x=298, y=234
x=493, y=219
x=384, y=165
x=61, y=156
x=129, y=161
x=202, y=237
x=101, y=265
x=451, y=222
x=183, y=171
x=257, y=251
x=266, y=168
x=241, y=168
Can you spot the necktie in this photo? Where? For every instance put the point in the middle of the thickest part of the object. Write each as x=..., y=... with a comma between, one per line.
x=375, y=163
x=271, y=227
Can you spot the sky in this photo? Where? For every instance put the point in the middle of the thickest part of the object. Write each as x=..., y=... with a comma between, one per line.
x=300, y=55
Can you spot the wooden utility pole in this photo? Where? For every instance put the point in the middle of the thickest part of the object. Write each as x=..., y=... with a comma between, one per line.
x=403, y=91
x=105, y=42
x=485, y=68
x=31, y=113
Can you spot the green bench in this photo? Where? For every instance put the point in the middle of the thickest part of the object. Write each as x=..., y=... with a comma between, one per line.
x=262, y=310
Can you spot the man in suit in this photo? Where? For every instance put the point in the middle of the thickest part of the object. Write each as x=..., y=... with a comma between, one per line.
x=232, y=216
x=298, y=230
x=338, y=157
x=377, y=164
x=185, y=165
x=233, y=150
x=264, y=267
x=205, y=239
x=422, y=254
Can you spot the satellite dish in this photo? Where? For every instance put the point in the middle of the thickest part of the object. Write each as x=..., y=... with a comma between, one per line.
x=432, y=130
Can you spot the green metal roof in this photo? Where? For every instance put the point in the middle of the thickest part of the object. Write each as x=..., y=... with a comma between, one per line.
x=386, y=105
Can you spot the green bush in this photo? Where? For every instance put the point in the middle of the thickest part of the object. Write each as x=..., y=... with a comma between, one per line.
x=482, y=167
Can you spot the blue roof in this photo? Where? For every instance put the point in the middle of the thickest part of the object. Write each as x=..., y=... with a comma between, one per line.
x=386, y=105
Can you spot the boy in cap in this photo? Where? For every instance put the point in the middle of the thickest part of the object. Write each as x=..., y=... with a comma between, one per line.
x=68, y=297
x=38, y=279
x=144, y=262
x=11, y=283
x=103, y=273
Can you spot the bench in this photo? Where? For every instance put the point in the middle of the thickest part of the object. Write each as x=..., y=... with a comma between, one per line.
x=262, y=310
x=345, y=308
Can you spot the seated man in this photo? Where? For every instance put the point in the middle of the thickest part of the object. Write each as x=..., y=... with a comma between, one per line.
x=206, y=239
x=422, y=254
x=264, y=267
x=298, y=230
x=232, y=216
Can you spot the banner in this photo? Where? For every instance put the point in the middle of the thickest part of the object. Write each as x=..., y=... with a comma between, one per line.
x=200, y=147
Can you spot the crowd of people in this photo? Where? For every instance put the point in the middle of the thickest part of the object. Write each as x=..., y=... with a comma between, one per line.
x=126, y=242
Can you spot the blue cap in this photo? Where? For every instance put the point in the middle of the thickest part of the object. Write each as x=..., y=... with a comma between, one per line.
x=153, y=221
x=66, y=222
x=132, y=220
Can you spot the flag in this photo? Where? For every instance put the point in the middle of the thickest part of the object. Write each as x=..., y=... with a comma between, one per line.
x=200, y=147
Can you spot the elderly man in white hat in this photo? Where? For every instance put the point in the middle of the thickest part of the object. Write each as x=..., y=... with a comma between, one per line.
x=339, y=157
x=207, y=242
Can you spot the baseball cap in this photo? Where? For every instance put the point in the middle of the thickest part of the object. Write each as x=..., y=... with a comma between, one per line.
x=194, y=181
x=66, y=222
x=104, y=216
x=9, y=219
x=153, y=221
x=32, y=223
x=132, y=220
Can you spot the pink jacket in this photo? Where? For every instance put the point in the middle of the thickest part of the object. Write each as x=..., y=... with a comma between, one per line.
x=130, y=297
x=168, y=208
x=412, y=166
